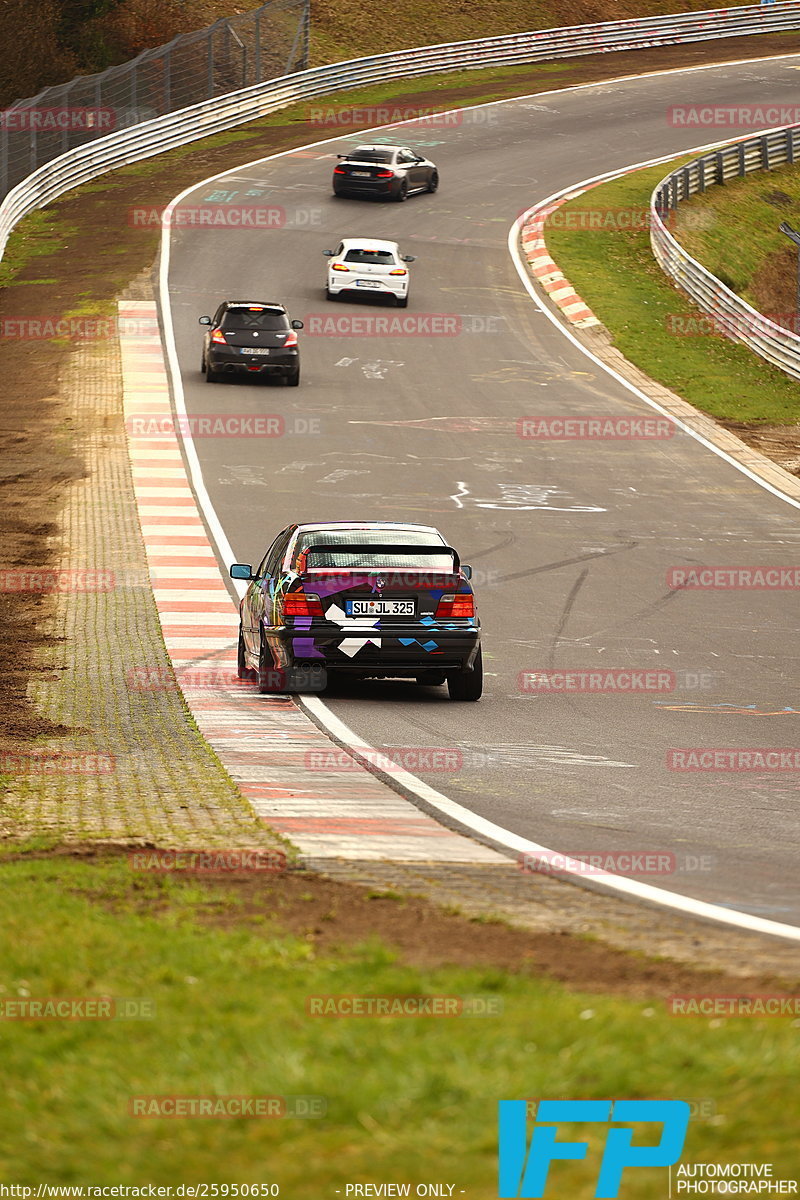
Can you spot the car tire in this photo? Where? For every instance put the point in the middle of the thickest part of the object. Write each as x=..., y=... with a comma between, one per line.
x=293, y=380
x=431, y=678
x=242, y=669
x=402, y=192
x=211, y=376
x=467, y=685
x=266, y=670
x=329, y=295
x=401, y=301
x=433, y=182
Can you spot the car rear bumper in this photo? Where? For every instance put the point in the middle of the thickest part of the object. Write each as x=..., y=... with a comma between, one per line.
x=367, y=187
x=283, y=363
x=391, y=651
x=384, y=287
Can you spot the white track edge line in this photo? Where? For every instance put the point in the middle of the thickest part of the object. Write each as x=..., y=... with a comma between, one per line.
x=616, y=883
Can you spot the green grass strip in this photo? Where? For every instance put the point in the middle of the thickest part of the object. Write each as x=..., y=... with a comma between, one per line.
x=408, y=1099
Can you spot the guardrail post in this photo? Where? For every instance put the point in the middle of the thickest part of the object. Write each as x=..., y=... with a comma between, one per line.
x=306, y=26
x=742, y=160
x=98, y=98
x=765, y=153
x=790, y=145
x=701, y=175
x=720, y=171
x=134, y=94
x=167, y=80
x=65, y=131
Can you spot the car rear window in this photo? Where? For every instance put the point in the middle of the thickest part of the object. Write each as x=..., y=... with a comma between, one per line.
x=379, y=156
x=381, y=257
x=350, y=557
x=243, y=318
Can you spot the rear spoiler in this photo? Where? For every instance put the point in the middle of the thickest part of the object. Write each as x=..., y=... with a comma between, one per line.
x=381, y=548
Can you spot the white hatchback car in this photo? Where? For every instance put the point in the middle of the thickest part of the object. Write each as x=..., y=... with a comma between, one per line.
x=368, y=265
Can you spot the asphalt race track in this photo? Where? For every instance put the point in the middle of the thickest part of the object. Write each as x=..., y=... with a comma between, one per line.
x=571, y=541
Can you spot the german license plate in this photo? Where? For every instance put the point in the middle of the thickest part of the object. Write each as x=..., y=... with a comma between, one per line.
x=366, y=283
x=254, y=350
x=362, y=174
x=380, y=608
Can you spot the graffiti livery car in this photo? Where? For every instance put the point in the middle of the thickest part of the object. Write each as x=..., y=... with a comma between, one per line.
x=373, y=600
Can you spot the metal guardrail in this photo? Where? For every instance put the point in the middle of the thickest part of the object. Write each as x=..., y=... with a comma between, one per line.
x=151, y=137
x=233, y=53
x=731, y=315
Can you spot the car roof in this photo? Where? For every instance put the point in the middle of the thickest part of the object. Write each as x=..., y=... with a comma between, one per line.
x=365, y=146
x=334, y=525
x=369, y=244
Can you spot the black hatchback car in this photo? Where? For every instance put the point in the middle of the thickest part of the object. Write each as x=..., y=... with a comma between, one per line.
x=372, y=600
x=247, y=337
x=395, y=172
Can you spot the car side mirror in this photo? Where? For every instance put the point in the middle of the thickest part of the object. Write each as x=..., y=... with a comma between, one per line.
x=297, y=324
x=328, y=253
x=466, y=570
x=241, y=571
x=419, y=160
x=408, y=257
x=206, y=321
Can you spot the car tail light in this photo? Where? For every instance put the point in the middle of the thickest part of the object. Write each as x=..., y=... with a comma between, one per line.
x=340, y=267
x=340, y=170
x=291, y=340
x=218, y=336
x=461, y=605
x=399, y=271
x=384, y=174
x=298, y=604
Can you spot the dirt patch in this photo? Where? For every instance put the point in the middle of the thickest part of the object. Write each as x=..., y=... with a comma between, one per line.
x=335, y=916
x=781, y=443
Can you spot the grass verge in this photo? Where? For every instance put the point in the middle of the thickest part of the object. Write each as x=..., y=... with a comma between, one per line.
x=613, y=269
x=407, y=1099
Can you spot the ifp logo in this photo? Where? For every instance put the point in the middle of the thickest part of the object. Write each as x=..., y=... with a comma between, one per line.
x=524, y=1171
